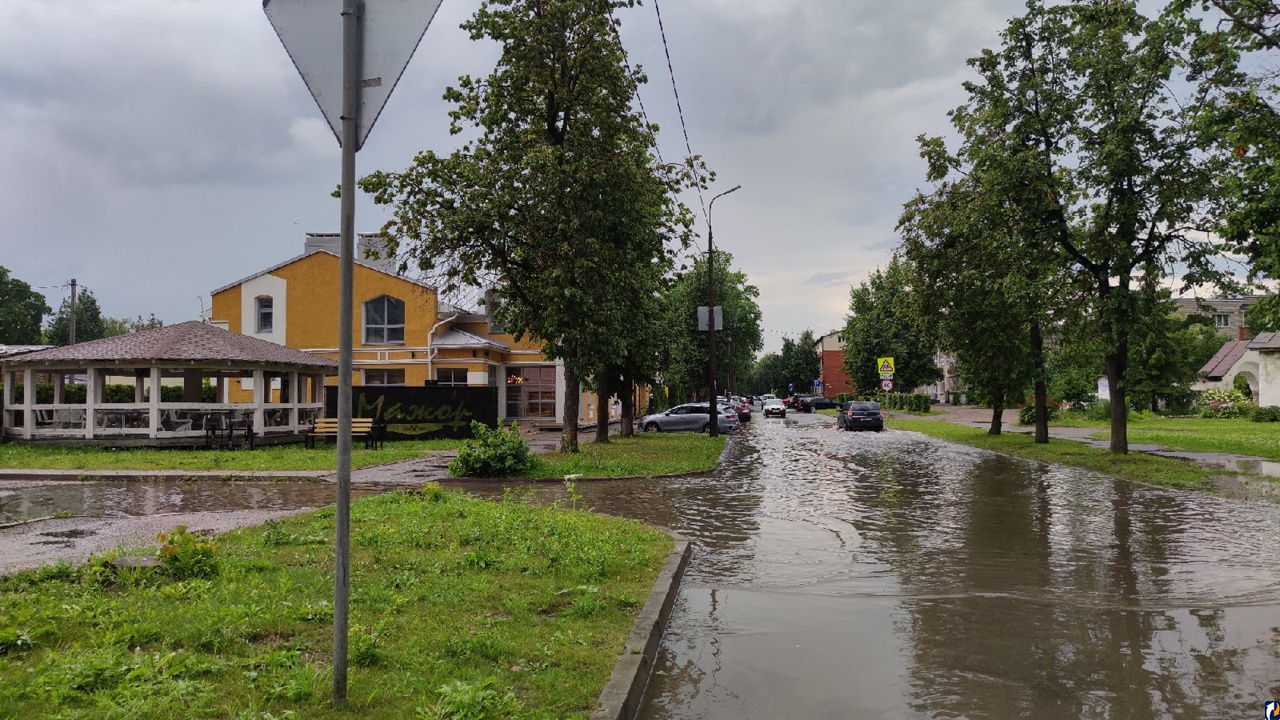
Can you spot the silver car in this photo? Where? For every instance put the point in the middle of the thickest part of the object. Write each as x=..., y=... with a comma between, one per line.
x=691, y=417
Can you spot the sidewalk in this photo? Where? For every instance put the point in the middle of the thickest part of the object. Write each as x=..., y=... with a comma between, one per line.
x=980, y=417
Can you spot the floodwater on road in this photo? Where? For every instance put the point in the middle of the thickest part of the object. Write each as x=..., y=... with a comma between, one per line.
x=890, y=575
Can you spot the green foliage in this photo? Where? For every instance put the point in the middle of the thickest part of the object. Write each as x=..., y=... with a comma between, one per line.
x=494, y=452
x=124, y=326
x=184, y=555
x=1241, y=385
x=22, y=311
x=844, y=397
x=1027, y=413
x=1225, y=404
x=884, y=321
x=90, y=325
x=460, y=700
x=911, y=402
x=1266, y=413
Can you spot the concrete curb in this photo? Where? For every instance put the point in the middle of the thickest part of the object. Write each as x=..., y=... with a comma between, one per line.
x=620, y=699
x=21, y=474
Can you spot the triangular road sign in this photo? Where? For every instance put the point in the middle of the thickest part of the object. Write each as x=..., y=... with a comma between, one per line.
x=311, y=31
x=885, y=365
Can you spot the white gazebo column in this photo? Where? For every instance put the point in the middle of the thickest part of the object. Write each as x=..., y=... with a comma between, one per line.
x=90, y=402
x=139, y=385
x=28, y=402
x=154, y=383
x=260, y=393
x=295, y=397
x=59, y=388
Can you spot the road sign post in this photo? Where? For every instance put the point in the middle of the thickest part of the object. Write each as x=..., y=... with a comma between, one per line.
x=377, y=38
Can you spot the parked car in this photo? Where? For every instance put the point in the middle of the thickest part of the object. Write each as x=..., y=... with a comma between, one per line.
x=860, y=415
x=691, y=417
x=816, y=402
x=774, y=406
x=793, y=402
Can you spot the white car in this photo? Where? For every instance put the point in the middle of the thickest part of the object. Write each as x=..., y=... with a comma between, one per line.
x=690, y=416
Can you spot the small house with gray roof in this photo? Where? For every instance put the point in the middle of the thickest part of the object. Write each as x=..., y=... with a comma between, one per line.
x=1257, y=360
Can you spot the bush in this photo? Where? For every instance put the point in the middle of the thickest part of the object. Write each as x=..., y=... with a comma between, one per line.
x=1270, y=413
x=184, y=555
x=493, y=453
x=1225, y=404
x=843, y=398
x=911, y=402
x=1027, y=413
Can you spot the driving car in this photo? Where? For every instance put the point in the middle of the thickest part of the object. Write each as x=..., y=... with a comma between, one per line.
x=774, y=406
x=766, y=398
x=809, y=403
x=860, y=415
x=691, y=417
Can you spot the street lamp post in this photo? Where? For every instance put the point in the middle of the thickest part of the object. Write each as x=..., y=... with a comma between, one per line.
x=713, y=420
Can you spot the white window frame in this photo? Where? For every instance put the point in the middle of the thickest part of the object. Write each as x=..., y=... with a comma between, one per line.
x=264, y=305
x=453, y=373
x=381, y=374
x=1222, y=320
x=386, y=327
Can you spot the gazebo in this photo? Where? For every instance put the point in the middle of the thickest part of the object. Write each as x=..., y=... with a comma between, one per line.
x=180, y=391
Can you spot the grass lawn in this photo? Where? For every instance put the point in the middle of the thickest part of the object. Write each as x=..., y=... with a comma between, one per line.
x=460, y=608
x=1241, y=437
x=1134, y=466
x=641, y=455
x=268, y=458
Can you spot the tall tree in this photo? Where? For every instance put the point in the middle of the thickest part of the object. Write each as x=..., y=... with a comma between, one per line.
x=979, y=290
x=1236, y=60
x=557, y=194
x=689, y=354
x=124, y=326
x=884, y=321
x=1110, y=167
x=22, y=311
x=90, y=325
x=801, y=363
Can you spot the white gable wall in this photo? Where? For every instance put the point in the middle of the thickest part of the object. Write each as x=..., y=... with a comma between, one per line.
x=263, y=286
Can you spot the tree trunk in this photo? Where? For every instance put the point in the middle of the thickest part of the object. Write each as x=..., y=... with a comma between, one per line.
x=603, y=383
x=997, y=414
x=628, y=427
x=1041, y=390
x=572, y=399
x=1119, y=408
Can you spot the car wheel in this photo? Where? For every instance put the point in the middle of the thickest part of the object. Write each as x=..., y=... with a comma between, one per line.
x=652, y=427
x=705, y=427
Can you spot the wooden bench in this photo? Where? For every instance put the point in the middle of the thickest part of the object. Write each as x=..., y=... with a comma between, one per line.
x=362, y=428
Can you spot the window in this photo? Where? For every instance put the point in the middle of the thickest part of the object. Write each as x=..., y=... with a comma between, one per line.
x=1222, y=320
x=264, y=313
x=451, y=376
x=384, y=377
x=531, y=392
x=383, y=321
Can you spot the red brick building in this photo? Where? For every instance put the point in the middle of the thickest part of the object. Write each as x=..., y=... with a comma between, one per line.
x=834, y=379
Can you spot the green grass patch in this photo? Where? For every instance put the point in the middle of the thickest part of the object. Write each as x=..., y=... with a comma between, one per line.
x=265, y=459
x=497, y=609
x=1240, y=437
x=1138, y=467
x=641, y=455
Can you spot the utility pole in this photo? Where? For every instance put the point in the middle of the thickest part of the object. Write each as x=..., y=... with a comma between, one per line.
x=713, y=419
x=71, y=338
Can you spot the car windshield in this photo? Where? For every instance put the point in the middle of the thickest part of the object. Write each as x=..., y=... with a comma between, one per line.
x=773, y=402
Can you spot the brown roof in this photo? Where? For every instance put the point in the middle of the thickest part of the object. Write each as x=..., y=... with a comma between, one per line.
x=1220, y=364
x=187, y=343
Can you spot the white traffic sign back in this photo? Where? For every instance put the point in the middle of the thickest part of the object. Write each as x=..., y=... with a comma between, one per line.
x=311, y=31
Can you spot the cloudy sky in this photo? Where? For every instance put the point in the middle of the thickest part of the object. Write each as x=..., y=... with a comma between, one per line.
x=155, y=150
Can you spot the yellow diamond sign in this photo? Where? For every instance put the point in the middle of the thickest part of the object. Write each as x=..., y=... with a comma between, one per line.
x=884, y=365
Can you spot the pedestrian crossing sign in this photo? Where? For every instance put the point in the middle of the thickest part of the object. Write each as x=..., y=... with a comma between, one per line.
x=885, y=365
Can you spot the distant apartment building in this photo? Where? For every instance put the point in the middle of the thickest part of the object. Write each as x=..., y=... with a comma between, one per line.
x=835, y=380
x=1227, y=313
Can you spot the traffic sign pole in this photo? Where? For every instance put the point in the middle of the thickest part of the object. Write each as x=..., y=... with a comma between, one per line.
x=351, y=53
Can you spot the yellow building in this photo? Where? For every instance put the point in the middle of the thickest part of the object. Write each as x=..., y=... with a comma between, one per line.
x=403, y=333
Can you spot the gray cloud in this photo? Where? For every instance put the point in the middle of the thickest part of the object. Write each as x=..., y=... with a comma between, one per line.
x=156, y=150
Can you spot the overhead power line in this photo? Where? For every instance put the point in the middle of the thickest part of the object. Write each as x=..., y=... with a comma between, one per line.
x=679, y=110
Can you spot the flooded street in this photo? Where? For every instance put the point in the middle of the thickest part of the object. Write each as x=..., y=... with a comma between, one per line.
x=863, y=575
x=889, y=575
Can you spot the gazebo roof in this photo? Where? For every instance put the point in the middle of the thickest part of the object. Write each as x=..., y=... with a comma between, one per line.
x=187, y=343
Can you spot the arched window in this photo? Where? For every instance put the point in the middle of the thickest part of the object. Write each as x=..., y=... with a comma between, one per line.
x=384, y=321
